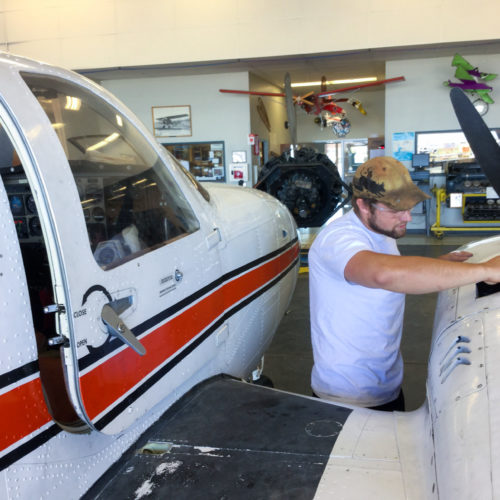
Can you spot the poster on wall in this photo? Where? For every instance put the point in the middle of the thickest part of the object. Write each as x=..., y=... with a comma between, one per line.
x=172, y=121
x=403, y=145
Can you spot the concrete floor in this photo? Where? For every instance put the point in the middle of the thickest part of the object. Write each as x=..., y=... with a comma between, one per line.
x=288, y=361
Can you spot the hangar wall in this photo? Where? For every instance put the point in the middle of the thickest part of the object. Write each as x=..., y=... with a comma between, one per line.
x=276, y=111
x=420, y=103
x=214, y=116
x=114, y=33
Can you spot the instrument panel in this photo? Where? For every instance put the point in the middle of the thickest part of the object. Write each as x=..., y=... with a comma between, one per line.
x=24, y=211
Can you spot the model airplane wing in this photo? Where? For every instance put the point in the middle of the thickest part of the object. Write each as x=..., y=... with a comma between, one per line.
x=485, y=148
x=320, y=94
x=361, y=86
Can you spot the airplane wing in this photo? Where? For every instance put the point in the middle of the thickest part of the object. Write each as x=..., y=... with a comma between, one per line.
x=231, y=439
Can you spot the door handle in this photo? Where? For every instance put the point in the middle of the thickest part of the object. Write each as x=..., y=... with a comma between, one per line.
x=213, y=238
x=117, y=328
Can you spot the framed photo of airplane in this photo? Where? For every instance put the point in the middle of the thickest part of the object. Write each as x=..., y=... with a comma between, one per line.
x=172, y=121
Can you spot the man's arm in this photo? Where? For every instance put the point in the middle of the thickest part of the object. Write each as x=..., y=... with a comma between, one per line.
x=417, y=275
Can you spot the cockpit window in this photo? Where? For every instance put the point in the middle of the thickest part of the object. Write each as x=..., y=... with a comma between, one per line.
x=130, y=201
x=191, y=177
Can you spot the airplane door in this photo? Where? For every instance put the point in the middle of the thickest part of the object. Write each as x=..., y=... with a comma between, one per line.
x=131, y=253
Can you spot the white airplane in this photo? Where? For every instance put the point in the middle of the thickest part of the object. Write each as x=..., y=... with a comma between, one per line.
x=153, y=287
x=150, y=283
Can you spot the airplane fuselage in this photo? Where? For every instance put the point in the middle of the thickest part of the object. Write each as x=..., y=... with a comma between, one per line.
x=123, y=282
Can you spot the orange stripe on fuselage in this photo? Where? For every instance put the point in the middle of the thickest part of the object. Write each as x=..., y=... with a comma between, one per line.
x=22, y=411
x=107, y=382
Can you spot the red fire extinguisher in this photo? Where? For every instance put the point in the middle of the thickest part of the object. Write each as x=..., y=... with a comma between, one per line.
x=253, y=140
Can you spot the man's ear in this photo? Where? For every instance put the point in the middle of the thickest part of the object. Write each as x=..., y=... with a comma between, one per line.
x=363, y=206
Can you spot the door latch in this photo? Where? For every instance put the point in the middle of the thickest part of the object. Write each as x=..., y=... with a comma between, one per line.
x=58, y=340
x=54, y=308
x=119, y=329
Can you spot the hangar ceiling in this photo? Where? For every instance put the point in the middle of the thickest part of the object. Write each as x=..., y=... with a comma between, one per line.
x=310, y=67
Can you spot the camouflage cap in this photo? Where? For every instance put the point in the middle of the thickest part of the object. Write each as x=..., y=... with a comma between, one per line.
x=387, y=180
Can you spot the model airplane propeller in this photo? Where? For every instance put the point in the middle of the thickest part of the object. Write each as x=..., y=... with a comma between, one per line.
x=323, y=105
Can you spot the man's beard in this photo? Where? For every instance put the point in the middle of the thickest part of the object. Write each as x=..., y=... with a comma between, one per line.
x=393, y=233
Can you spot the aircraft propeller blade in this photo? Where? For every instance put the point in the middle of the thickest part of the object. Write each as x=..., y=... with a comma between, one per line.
x=305, y=96
x=290, y=110
x=485, y=148
x=303, y=99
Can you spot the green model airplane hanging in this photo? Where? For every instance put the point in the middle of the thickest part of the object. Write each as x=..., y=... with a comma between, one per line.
x=472, y=80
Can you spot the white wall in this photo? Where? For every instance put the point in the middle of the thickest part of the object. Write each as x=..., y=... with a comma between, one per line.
x=276, y=111
x=422, y=102
x=107, y=33
x=215, y=116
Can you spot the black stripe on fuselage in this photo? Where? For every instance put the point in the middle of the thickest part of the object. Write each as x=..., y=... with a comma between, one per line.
x=18, y=374
x=113, y=343
x=41, y=438
x=147, y=384
x=29, y=446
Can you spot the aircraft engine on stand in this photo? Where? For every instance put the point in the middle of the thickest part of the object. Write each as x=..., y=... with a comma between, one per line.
x=308, y=184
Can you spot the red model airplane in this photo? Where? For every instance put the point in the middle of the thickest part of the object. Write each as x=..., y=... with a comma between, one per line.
x=317, y=103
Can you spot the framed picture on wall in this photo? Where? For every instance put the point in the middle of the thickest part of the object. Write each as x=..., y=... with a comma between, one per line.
x=172, y=121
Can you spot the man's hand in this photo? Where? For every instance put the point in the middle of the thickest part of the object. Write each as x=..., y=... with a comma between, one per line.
x=494, y=270
x=460, y=256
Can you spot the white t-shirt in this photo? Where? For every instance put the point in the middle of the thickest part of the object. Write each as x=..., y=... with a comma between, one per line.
x=355, y=330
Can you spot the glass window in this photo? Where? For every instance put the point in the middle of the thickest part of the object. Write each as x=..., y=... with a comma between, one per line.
x=130, y=201
x=355, y=153
x=204, y=160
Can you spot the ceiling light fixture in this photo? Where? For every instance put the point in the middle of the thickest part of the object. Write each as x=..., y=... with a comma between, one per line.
x=337, y=82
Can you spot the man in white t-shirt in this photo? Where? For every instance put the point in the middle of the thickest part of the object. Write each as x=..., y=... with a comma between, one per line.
x=358, y=281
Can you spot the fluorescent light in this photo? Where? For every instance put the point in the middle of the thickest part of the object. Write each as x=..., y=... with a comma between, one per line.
x=104, y=142
x=337, y=82
x=90, y=200
x=73, y=103
x=117, y=197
